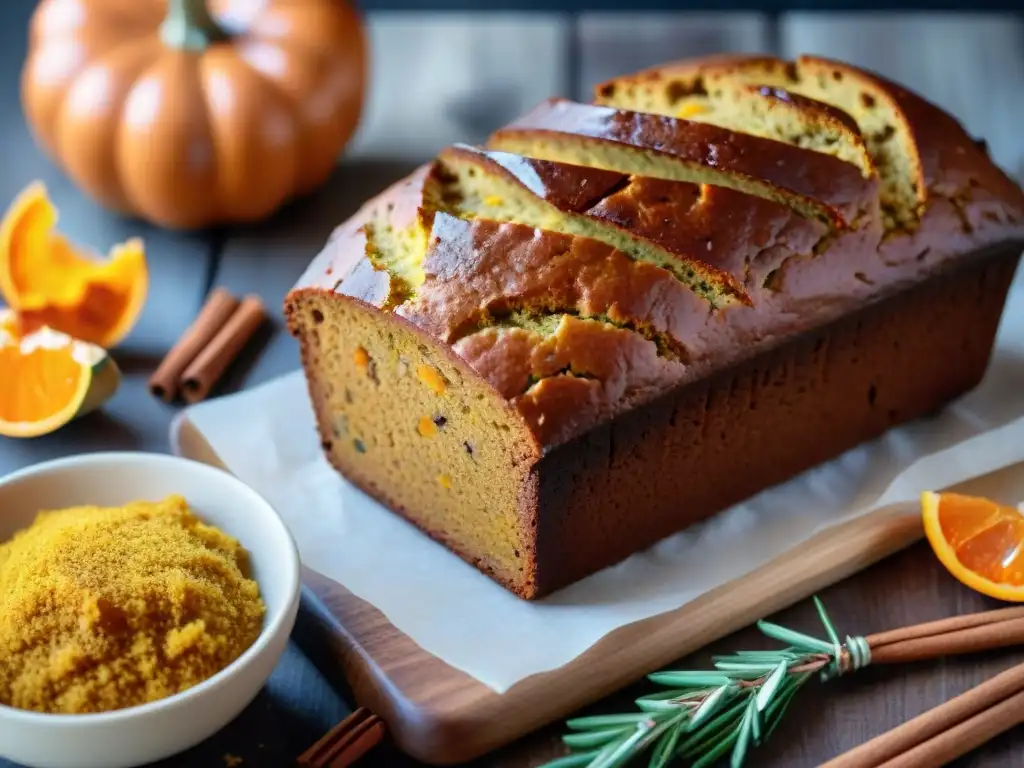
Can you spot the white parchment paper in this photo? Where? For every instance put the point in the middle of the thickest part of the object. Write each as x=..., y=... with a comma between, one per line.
x=266, y=437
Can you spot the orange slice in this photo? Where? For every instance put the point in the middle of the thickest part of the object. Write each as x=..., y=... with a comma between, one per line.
x=9, y=323
x=49, y=379
x=979, y=541
x=49, y=282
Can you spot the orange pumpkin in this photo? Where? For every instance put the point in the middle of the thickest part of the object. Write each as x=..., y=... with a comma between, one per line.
x=191, y=116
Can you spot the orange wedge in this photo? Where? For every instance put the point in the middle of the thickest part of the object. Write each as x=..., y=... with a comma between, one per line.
x=51, y=283
x=9, y=324
x=979, y=541
x=49, y=379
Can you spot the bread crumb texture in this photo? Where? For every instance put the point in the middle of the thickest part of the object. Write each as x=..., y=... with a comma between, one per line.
x=107, y=608
x=430, y=462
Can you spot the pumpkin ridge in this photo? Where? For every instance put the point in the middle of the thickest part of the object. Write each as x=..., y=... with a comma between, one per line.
x=119, y=125
x=224, y=139
x=215, y=161
x=118, y=121
x=287, y=45
x=298, y=123
x=276, y=88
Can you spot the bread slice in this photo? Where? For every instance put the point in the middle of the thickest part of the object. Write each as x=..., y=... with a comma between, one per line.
x=483, y=274
x=504, y=187
x=760, y=110
x=812, y=184
x=889, y=139
x=402, y=417
x=728, y=241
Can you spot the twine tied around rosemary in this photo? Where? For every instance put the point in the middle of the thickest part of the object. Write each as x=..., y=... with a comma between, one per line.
x=706, y=714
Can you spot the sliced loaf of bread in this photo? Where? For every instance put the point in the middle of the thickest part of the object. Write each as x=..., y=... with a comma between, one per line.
x=618, y=318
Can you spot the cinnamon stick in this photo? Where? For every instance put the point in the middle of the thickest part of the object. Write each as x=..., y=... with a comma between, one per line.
x=942, y=626
x=980, y=638
x=216, y=311
x=902, y=740
x=210, y=364
x=346, y=742
x=965, y=737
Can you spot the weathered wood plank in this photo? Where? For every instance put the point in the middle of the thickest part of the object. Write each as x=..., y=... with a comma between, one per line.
x=617, y=44
x=970, y=64
x=442, y=78
x=178, y=269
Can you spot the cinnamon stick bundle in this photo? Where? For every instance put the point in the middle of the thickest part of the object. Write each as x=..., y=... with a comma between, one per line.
x=346, y=742
x=947, y=731
x=215, y=313
x=208, y=347
x=208, y=367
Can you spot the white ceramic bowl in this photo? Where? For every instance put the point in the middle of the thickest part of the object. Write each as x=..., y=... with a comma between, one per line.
x=150, y=732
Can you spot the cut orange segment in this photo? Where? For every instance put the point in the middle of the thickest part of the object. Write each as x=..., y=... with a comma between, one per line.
x=49, y=282
x=49, y=379
x=9, y=323
x=979, y=541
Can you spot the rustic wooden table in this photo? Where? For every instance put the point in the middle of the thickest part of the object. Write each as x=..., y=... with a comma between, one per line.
x=446, y=77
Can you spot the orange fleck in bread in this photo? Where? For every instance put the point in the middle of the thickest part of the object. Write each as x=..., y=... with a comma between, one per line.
x=619, y=318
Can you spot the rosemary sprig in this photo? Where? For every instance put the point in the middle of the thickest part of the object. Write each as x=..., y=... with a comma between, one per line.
x=705, y=715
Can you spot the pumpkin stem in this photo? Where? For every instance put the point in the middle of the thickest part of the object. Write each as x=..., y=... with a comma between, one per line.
x=189, y=26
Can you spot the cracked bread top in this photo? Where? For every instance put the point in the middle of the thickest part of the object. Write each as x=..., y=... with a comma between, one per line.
x=592, y=256
x=920, y=151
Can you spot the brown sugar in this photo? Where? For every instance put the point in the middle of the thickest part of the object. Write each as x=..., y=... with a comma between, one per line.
x=106, y=608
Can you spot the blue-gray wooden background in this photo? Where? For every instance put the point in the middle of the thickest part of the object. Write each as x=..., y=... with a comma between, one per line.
x=444, y=76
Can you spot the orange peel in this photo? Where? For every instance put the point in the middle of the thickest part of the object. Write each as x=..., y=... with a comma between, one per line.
x=50, y=379
x=49, y=282
x=980, y=542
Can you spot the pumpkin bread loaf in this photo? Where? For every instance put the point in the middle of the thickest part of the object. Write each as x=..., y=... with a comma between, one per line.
x=618, y=318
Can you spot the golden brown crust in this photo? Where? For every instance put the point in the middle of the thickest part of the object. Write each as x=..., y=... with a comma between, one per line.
x=743, y=236
x=734, y=239
x=479, y=272
x=497, y=292
x=946, y=161
x=532, y=371
x=837, y=189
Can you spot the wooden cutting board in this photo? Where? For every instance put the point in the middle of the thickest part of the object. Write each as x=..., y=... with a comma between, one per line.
x=440, y=715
